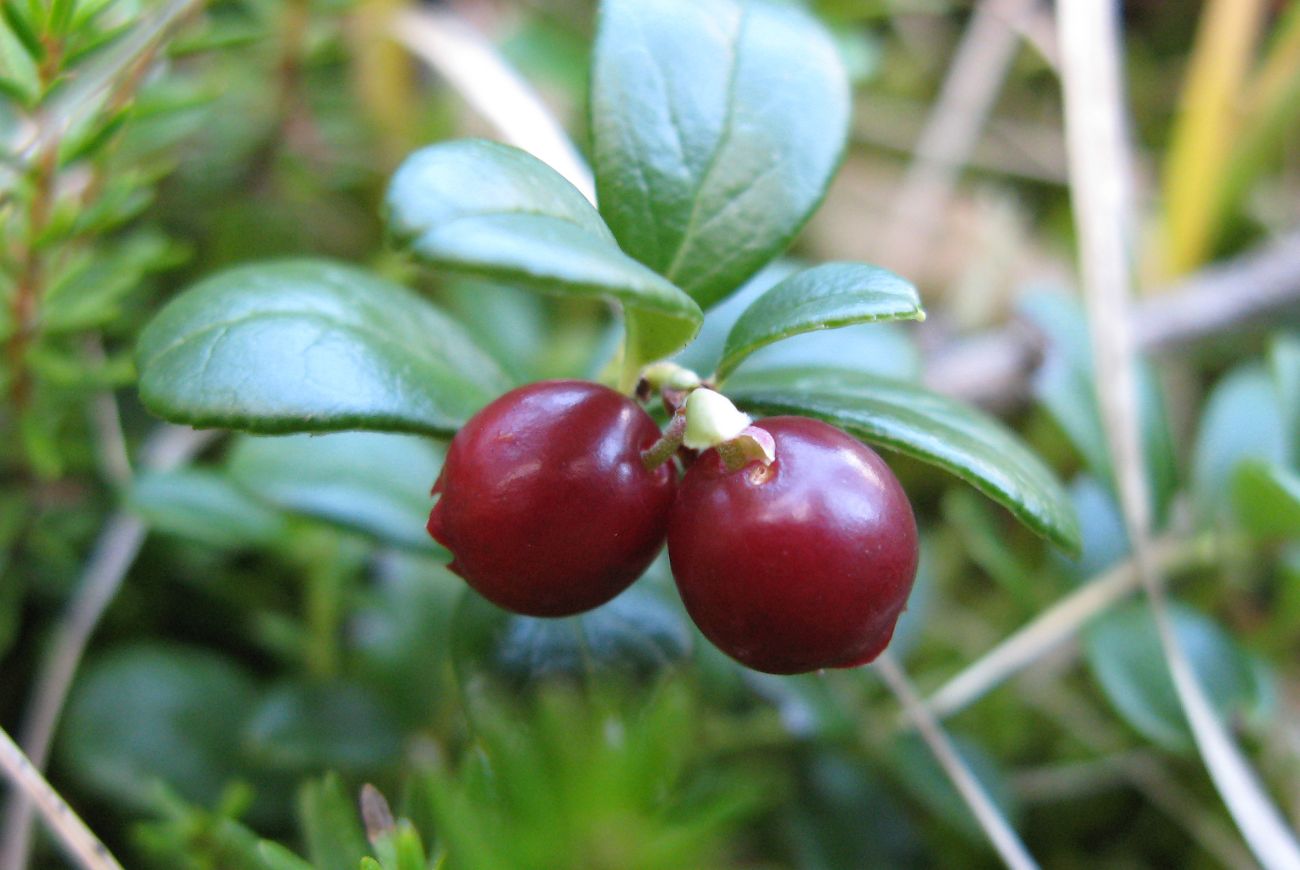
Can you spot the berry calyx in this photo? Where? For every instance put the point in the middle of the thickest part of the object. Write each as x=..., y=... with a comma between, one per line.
x=799, y=565
x=544, y=500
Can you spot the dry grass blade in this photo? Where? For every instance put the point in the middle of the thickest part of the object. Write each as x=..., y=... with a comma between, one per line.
x=114, y=553
x=1059, y=623
x=990, y=818
x=479, y=74
x=1090, y=52
x=973, y=83
x=1207, y=123
x=71, y=831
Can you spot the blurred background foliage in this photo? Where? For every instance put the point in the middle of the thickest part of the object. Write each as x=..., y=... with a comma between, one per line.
x=287, y=632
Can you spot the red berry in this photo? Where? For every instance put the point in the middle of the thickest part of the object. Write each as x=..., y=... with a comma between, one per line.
x=800, y=565
x=545, y=503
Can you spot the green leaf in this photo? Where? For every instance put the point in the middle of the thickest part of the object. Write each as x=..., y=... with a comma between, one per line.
x=1124, y=653
x=635, y=634
x=717, y=125
x=1246, y=393
x=144, y=714
x=311, y=346
x=1266, y=499
x=823, y=297
x=930, y=427
x=1284, y=365
x=1065, y=386
x=331, y=828
x=22, y=28
x=205, y=506
x=1105, y=539
x=486, y=209
x=372, y=482
x=400, y=848
x=882, y=349
x=310, y=726
x=277, y=857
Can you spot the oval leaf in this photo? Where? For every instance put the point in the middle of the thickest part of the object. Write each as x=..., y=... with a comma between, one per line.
x=717, y=125
x=931, y=428
x=1065, y=385
x=1223, y=442
x=1266, y=499
x=312, y=726
x=823, y=297
x=311, y=346
x=636, y=634
x=148, y=713
x=482, y=208
x=205, y=506
x=375, y=483
x=1124, y=653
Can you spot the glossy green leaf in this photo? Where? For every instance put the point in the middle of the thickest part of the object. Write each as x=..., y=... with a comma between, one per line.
x=311, y=346
x=486, y=209
x=205, y=506
x=372, y=482
x=717, y=125
x=1065, y=386
x=144, y=714
x=1266, y=499
x=1242, y=419
x=930, y=427
x=823, y=297
x=883, y=349
x=1124, y=652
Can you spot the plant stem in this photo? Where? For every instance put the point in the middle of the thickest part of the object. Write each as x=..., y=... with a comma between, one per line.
x=663, y=449
x=1063, y=620
x=1000, y=833
x=71, y=831
x=114, y=553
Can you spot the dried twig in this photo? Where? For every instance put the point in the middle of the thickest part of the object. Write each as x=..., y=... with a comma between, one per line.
x=974, y=80
x=72, y=832
x=994, y=368
x=114, y=552
x=1059, y=623
x=1099, y=170
x=470, y=63
x=990, y=818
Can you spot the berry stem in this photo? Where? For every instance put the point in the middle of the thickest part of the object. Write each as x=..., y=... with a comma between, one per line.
x=662, y=450
x=751, y=445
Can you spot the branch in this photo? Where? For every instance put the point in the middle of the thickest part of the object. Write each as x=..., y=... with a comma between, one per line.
x=990, y=818
x=112, y=557
x=995, y=368
x=1103, y=214
x=77, y=839
x=974, y=80
x=492, y=88
x=1059, y=623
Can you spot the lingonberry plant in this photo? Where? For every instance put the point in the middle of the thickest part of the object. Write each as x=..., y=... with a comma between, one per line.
x=701, y=180
x=622, y=377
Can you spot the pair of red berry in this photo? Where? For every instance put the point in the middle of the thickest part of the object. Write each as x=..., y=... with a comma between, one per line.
x=802, y=564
